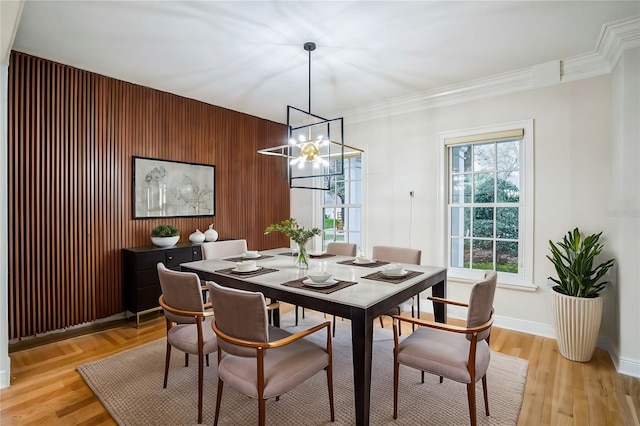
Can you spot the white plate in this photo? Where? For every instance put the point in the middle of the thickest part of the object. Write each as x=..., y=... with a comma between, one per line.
x=327, y=283
x=364, y=262
x=238, y=271
x=248, y=256
x=394, y=274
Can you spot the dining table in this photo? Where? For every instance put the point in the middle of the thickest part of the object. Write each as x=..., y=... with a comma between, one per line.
x=362, y=292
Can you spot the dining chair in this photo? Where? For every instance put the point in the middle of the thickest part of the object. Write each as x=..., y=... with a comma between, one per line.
x=188, y=321
x=229, y=248
x=458, y=353
x=400, y=255
x=258, y=360
x=222, y=249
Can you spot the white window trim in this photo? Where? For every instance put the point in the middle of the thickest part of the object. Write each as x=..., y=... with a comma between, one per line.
x=317, y=205
x=526, y=156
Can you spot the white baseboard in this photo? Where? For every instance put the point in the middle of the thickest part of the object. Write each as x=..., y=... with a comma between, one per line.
x=623, y=365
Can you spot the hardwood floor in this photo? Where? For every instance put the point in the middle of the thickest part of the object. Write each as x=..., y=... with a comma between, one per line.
x=46, y=389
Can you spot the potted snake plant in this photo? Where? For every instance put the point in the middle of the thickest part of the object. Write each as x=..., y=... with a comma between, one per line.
x=576, y=301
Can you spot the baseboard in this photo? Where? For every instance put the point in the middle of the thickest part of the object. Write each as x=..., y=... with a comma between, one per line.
x=4, y=375
x=623, y=365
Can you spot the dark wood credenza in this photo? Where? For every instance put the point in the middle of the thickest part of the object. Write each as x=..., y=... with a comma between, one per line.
x=140, y=274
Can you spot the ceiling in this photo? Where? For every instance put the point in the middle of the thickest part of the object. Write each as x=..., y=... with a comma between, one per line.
x=248, y=56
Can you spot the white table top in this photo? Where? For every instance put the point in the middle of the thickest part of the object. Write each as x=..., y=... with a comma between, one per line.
x=361, y=295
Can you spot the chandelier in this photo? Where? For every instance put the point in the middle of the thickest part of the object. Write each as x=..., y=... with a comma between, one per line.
x=313, y=142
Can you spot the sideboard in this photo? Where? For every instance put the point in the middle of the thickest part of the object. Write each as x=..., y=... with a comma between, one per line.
x=140, y=276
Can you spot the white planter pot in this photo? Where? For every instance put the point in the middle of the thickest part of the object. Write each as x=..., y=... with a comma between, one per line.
x=577, y=324
x=165, y=241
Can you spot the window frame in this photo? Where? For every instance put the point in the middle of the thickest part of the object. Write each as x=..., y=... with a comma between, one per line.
x=524, y=278
x=319, y=205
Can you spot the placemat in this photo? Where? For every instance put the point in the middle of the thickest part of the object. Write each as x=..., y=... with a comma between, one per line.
x=321, y=256
x=379, y=276
x=288, y=253
x=261, y=271
x=242, y=258
x=364, y=265
x=324, y=290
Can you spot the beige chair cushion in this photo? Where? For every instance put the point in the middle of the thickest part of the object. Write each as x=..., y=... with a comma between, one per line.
x=222, y=249
x=240, y=314
x=443, y=353
x=342, y=249
x=181, y=290
x=397, y=254
x=284, y=367
x=481, y=303
x=185, y=337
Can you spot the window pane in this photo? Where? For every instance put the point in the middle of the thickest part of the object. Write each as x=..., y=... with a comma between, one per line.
x=329, y=218
x=461, y=189
x=460, y=221
x=483, y=222
x=355, y=169
x=461, y=159
x=484, y=185
x=508, y=155
x=484, y=157
x=353, y=219
x=507, y=256
x=482, y=254
x=507, y=223
x=460, y=252
x=355, y=192
x=508, y=187
x=330, y=195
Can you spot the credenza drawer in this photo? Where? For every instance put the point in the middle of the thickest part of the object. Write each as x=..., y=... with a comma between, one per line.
x=149, y=260
x=177, y=256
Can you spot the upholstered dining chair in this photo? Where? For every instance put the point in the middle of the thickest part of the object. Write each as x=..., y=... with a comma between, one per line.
x=222, y=249
x=400, y=255
x=457, y=353
x=188, y=321
x=258, y=360
x=229, y=248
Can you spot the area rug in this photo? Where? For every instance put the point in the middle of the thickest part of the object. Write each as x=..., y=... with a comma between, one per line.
x=129, y=385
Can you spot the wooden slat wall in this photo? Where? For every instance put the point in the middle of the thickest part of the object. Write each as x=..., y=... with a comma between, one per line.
x=72, y=135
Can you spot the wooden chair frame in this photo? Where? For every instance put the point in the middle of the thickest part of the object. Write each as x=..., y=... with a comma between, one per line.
x=471, y=363
x=261, y=348
x=199, y=316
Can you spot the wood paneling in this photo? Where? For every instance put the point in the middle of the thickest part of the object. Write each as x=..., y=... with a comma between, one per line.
x=72, y=135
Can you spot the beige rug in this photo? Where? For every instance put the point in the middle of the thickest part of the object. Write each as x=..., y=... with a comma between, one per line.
x=129, y=385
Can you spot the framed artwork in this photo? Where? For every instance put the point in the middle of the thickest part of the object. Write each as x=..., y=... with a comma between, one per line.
x=165, y=188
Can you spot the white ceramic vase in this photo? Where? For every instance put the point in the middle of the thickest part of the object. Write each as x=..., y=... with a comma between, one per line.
x=577, y=325
x=197, y=237
x=210, y=234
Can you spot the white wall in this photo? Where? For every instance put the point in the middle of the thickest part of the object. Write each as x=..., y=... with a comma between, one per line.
x=9, y=17
x=624, y=213
x=573, y=184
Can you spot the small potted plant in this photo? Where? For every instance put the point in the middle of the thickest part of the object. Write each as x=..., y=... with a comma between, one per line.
x=299, y=235
x=165, y=235
x=576, y=301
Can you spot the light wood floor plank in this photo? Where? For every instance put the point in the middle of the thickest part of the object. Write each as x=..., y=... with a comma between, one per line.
x=46, y=388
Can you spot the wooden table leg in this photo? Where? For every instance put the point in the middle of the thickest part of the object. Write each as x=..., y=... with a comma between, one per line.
x=440, y=309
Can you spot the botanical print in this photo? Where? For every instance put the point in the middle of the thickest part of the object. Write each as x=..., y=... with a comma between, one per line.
x=168, y=188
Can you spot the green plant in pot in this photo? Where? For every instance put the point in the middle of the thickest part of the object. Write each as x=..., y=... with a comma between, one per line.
x=576, y=301
x=165, y=235
x=299, y=235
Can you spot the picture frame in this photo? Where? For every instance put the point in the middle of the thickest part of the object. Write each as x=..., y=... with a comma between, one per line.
x=167, y=188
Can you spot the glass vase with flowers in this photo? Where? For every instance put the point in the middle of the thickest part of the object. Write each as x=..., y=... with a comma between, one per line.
x=299, y=235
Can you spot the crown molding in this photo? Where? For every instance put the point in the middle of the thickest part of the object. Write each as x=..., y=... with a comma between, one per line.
x=614, y=39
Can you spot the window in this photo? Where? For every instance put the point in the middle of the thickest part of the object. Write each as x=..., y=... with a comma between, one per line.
x=488, y=203
x=342, y=204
